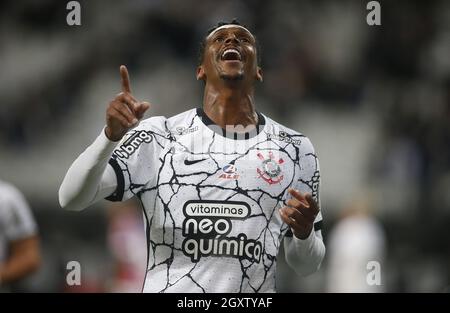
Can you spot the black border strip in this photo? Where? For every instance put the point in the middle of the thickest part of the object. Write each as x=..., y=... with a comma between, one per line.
x=229, y=302
x=117, y=195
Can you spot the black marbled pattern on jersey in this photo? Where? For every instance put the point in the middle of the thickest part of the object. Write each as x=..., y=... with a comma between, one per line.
x=177, y=167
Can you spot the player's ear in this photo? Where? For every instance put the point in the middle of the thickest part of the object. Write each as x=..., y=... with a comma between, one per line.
x=259, y=74
x=200, y=73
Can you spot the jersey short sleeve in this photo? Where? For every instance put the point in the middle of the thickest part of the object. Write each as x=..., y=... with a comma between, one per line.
x=16, y=218
x=309, y=178
x=135, y=159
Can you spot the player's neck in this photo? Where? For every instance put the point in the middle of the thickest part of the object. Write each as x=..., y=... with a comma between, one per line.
x=230, y=106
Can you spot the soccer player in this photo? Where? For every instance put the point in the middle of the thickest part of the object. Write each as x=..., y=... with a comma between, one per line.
x=19, y=242
x=220, y=186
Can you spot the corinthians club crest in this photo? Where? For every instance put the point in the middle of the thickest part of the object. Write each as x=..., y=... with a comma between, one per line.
x=270, y=169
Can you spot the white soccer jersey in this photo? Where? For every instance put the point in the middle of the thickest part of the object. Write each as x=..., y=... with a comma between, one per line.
x=211, y=200
x=16, y=219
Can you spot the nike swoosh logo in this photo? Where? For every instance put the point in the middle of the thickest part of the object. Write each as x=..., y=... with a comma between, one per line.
x=190, y=162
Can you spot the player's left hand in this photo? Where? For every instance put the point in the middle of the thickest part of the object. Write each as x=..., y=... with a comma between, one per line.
x=300, y=213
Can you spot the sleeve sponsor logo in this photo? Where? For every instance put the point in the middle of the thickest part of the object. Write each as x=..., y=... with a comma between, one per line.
x=207, y=225
x=131, y=145
x=285, y=137
x=315, y=182
x=179, y=131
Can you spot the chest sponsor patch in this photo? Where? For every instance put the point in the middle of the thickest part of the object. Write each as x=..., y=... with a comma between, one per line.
x=207, y=226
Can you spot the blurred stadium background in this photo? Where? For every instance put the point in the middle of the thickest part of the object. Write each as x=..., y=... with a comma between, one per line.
x=375, y=101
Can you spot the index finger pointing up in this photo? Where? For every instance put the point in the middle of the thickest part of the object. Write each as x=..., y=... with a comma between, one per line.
x=125, y=79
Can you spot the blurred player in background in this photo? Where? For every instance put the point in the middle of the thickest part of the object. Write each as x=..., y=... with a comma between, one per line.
x=355, y=241
x=125, y=240
x=220, y=186
x=19, y=241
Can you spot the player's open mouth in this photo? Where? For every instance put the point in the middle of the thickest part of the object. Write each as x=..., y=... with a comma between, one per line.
x=231, y=55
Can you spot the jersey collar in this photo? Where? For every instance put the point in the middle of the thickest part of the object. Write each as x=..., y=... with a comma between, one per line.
x=230, y=134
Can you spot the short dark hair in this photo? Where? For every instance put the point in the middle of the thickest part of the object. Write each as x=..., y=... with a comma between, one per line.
x=202, y=47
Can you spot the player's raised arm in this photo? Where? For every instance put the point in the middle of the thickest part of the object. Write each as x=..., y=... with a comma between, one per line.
x=89, y=178
x=124, y=111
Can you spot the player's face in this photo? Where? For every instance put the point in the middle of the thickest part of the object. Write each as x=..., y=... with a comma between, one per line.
x=230, y=54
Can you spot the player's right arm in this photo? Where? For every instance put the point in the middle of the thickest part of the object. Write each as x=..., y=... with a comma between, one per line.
x=90, y=178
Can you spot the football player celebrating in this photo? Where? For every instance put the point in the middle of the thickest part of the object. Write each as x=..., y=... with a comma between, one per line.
x=220, y=186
